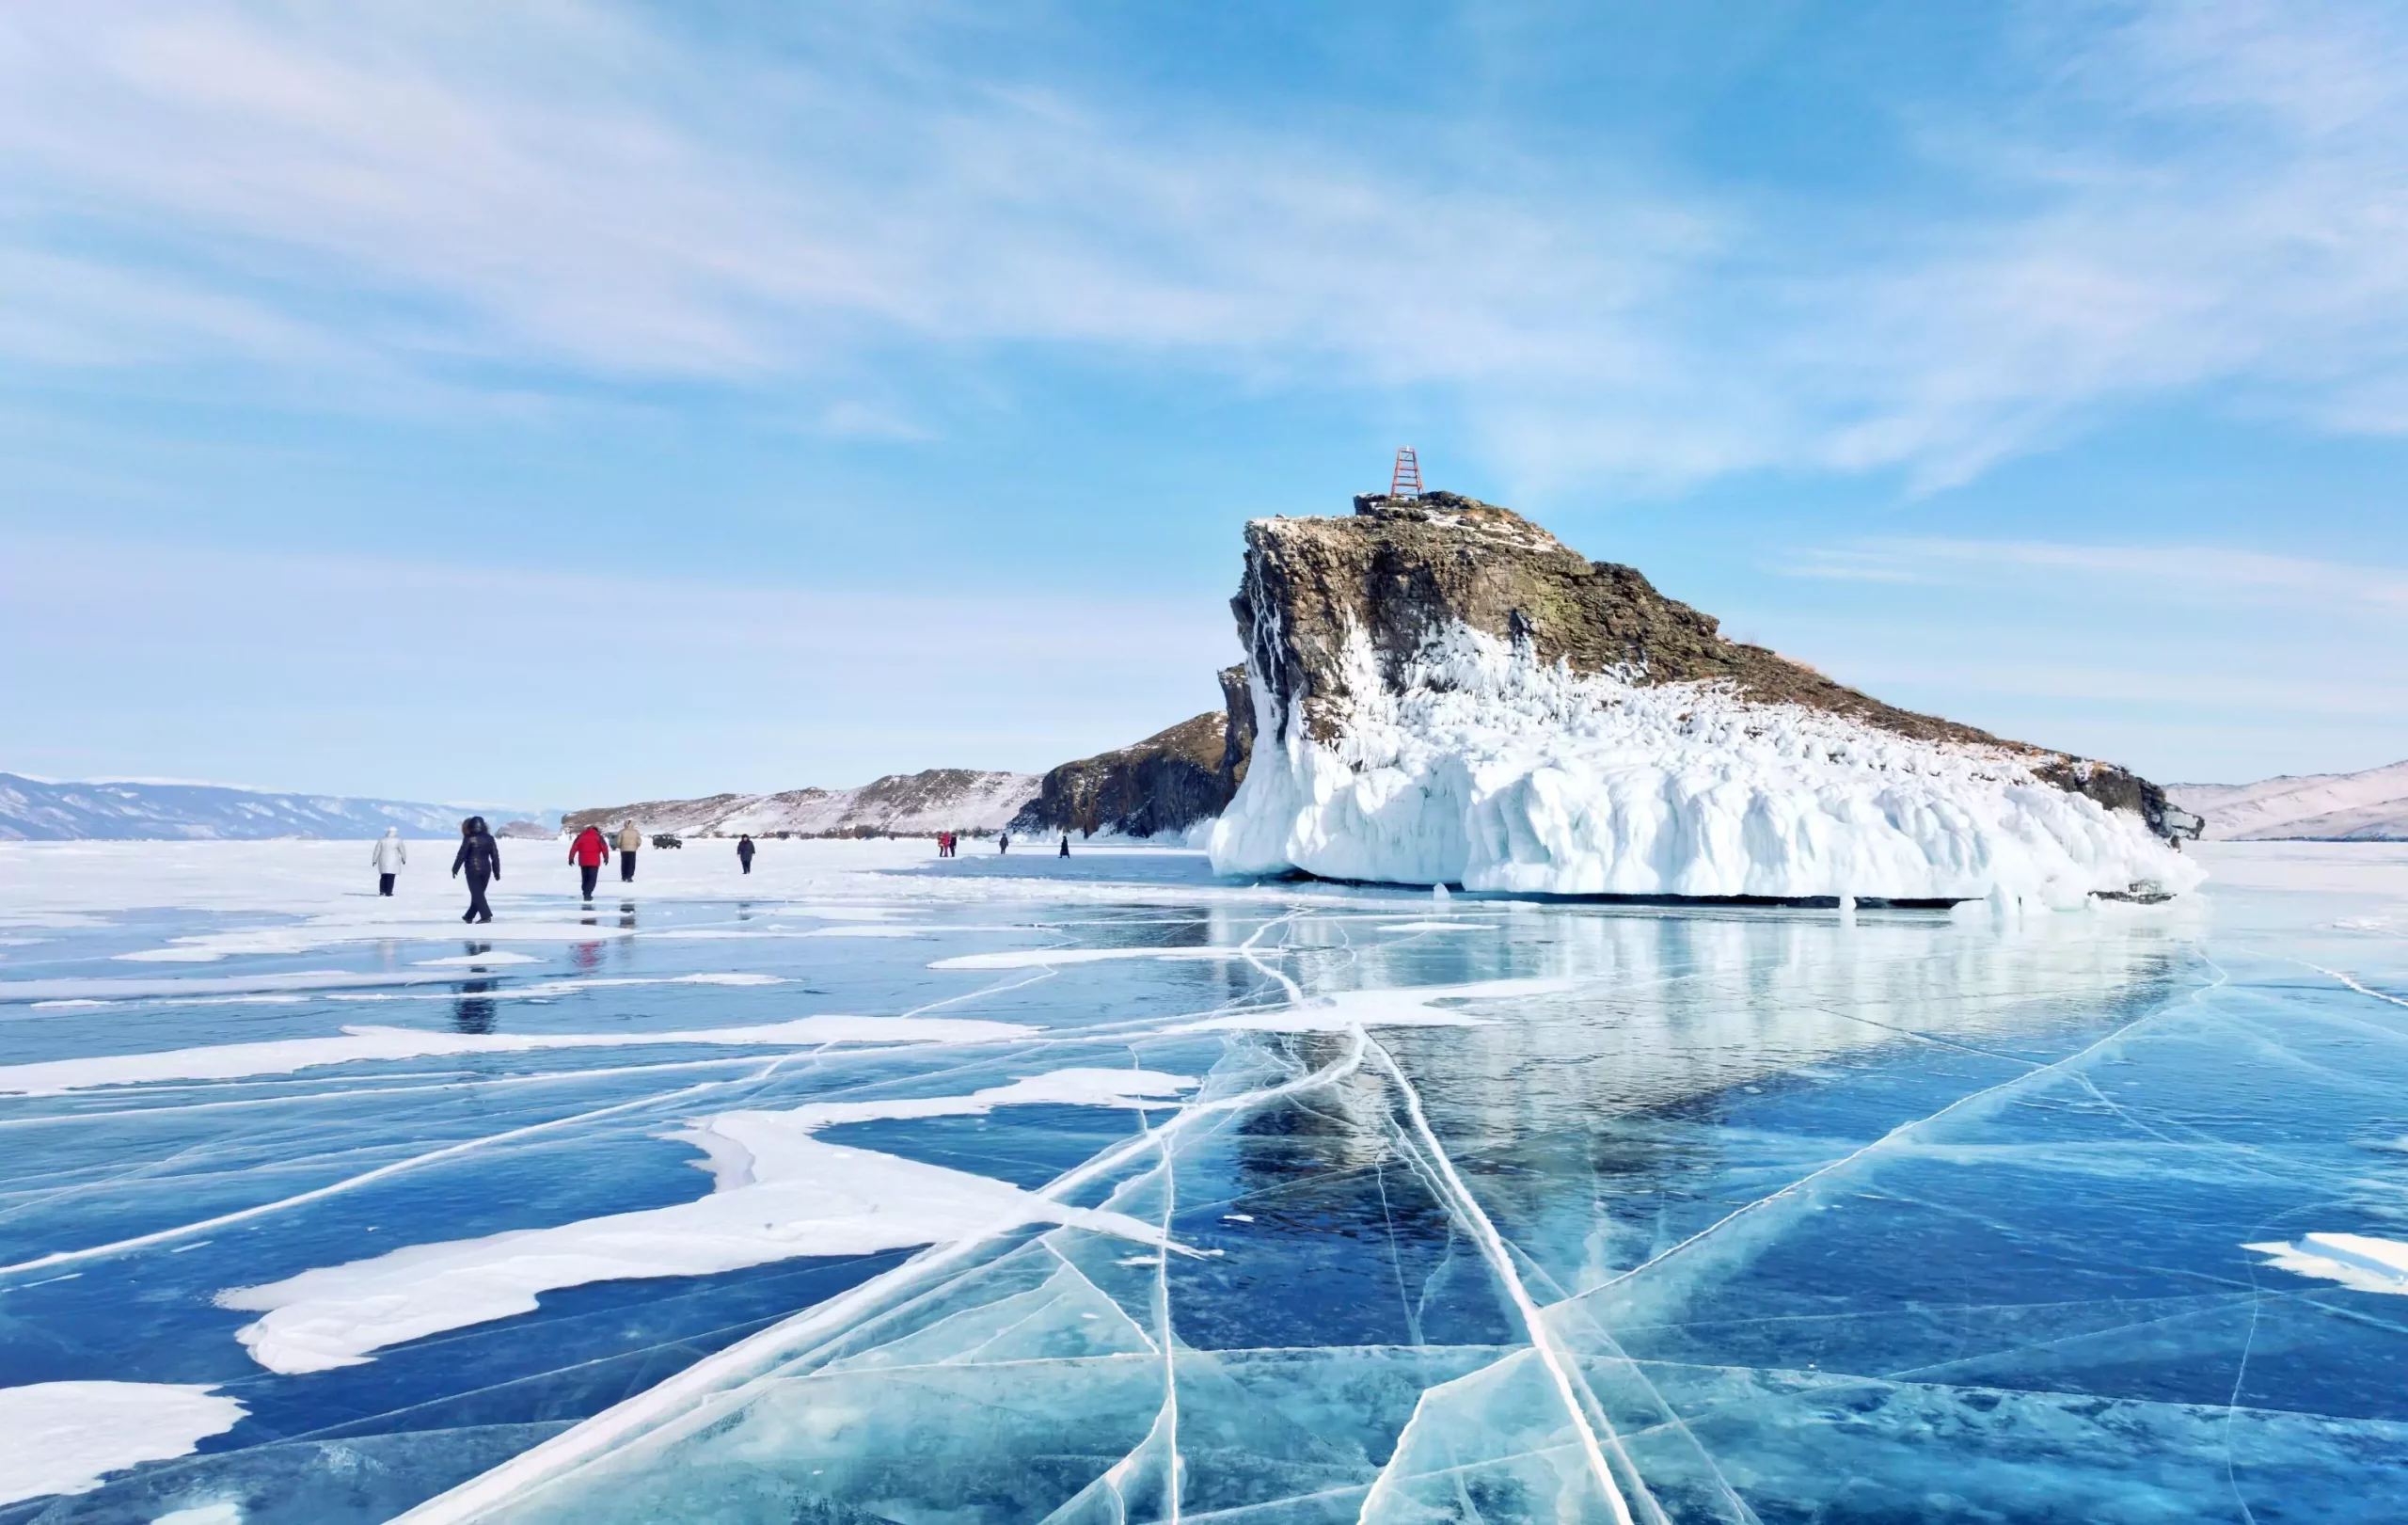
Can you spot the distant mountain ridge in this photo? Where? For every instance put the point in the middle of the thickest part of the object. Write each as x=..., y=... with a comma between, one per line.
x=38, y=810
x=2368, y=806
x=899, y=804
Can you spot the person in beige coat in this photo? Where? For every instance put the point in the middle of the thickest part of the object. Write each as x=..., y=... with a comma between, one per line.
x=629, y=839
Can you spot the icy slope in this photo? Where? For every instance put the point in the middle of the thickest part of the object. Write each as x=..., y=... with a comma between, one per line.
x=1481, y=765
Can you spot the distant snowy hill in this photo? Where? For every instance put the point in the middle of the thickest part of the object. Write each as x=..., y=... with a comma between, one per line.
x=34, y=810
x=899, y=804
x=2371, y=806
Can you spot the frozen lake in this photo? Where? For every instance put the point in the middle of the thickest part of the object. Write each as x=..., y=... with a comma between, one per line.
x=874, y=1187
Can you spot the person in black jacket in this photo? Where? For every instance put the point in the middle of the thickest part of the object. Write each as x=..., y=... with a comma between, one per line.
x=483, y=860
x=744, y=852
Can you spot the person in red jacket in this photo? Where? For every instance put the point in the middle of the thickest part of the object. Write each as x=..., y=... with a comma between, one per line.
x=587, y=852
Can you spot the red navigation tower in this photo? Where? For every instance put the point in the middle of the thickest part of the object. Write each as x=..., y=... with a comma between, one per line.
x=1406, y=482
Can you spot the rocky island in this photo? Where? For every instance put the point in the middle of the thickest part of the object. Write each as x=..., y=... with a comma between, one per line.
x=1446, y=693
x=1437, y=690
x=1171, y=782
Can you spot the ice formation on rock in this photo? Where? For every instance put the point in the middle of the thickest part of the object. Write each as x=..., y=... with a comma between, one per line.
x=1494, y=771
x=1419, y=723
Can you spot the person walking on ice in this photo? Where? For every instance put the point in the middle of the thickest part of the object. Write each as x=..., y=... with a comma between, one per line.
x=587, y=852
x=629, y=839
x=388, y=855
x=744, y=851
x=1002, y=843
x=481, y=860
x=1066, y=843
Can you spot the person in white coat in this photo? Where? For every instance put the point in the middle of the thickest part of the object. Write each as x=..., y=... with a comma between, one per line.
x=389, y=854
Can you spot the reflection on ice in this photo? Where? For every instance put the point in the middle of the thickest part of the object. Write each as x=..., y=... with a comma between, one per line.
x=1279, y=1203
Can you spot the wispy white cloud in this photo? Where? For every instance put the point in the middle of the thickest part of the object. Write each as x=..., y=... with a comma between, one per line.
x=586, y=190
x=2195, y=572
x=2186, y=198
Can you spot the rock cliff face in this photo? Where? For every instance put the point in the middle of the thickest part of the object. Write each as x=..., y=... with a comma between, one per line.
x=1164, y=784
x=1447, y=692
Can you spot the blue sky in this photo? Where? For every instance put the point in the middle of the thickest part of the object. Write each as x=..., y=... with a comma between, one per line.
x=603, y=400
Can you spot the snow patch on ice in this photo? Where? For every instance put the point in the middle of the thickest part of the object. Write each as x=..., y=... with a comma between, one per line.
x=1439, y=927
x=1068, y=1088
x=64, y=1436
x=1344, y=1011
x=1489, y=769
x=2360, y=1262
x=1046, y=958
x=331, y=931
x=777, y=1193
x=847, y=912
x=477, y=960
x=48, y=991
x=234, y=1061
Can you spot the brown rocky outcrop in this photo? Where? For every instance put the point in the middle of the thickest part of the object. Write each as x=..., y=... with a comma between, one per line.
x=1403, y=569
x=1165, y=783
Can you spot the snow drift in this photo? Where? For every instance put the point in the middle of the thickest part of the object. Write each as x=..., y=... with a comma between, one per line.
x=1399, y=740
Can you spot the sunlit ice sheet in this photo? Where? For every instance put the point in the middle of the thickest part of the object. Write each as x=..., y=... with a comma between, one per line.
x=1716, y=1213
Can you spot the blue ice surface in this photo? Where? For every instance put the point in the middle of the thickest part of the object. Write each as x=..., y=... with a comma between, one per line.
x=1890, y=1216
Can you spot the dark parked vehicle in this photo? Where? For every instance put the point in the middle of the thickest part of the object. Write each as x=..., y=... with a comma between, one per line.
x=666, y=839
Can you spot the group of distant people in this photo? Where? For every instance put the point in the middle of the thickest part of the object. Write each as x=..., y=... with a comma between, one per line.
x=591, y=850
x=480, y=858
x=949, y=844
